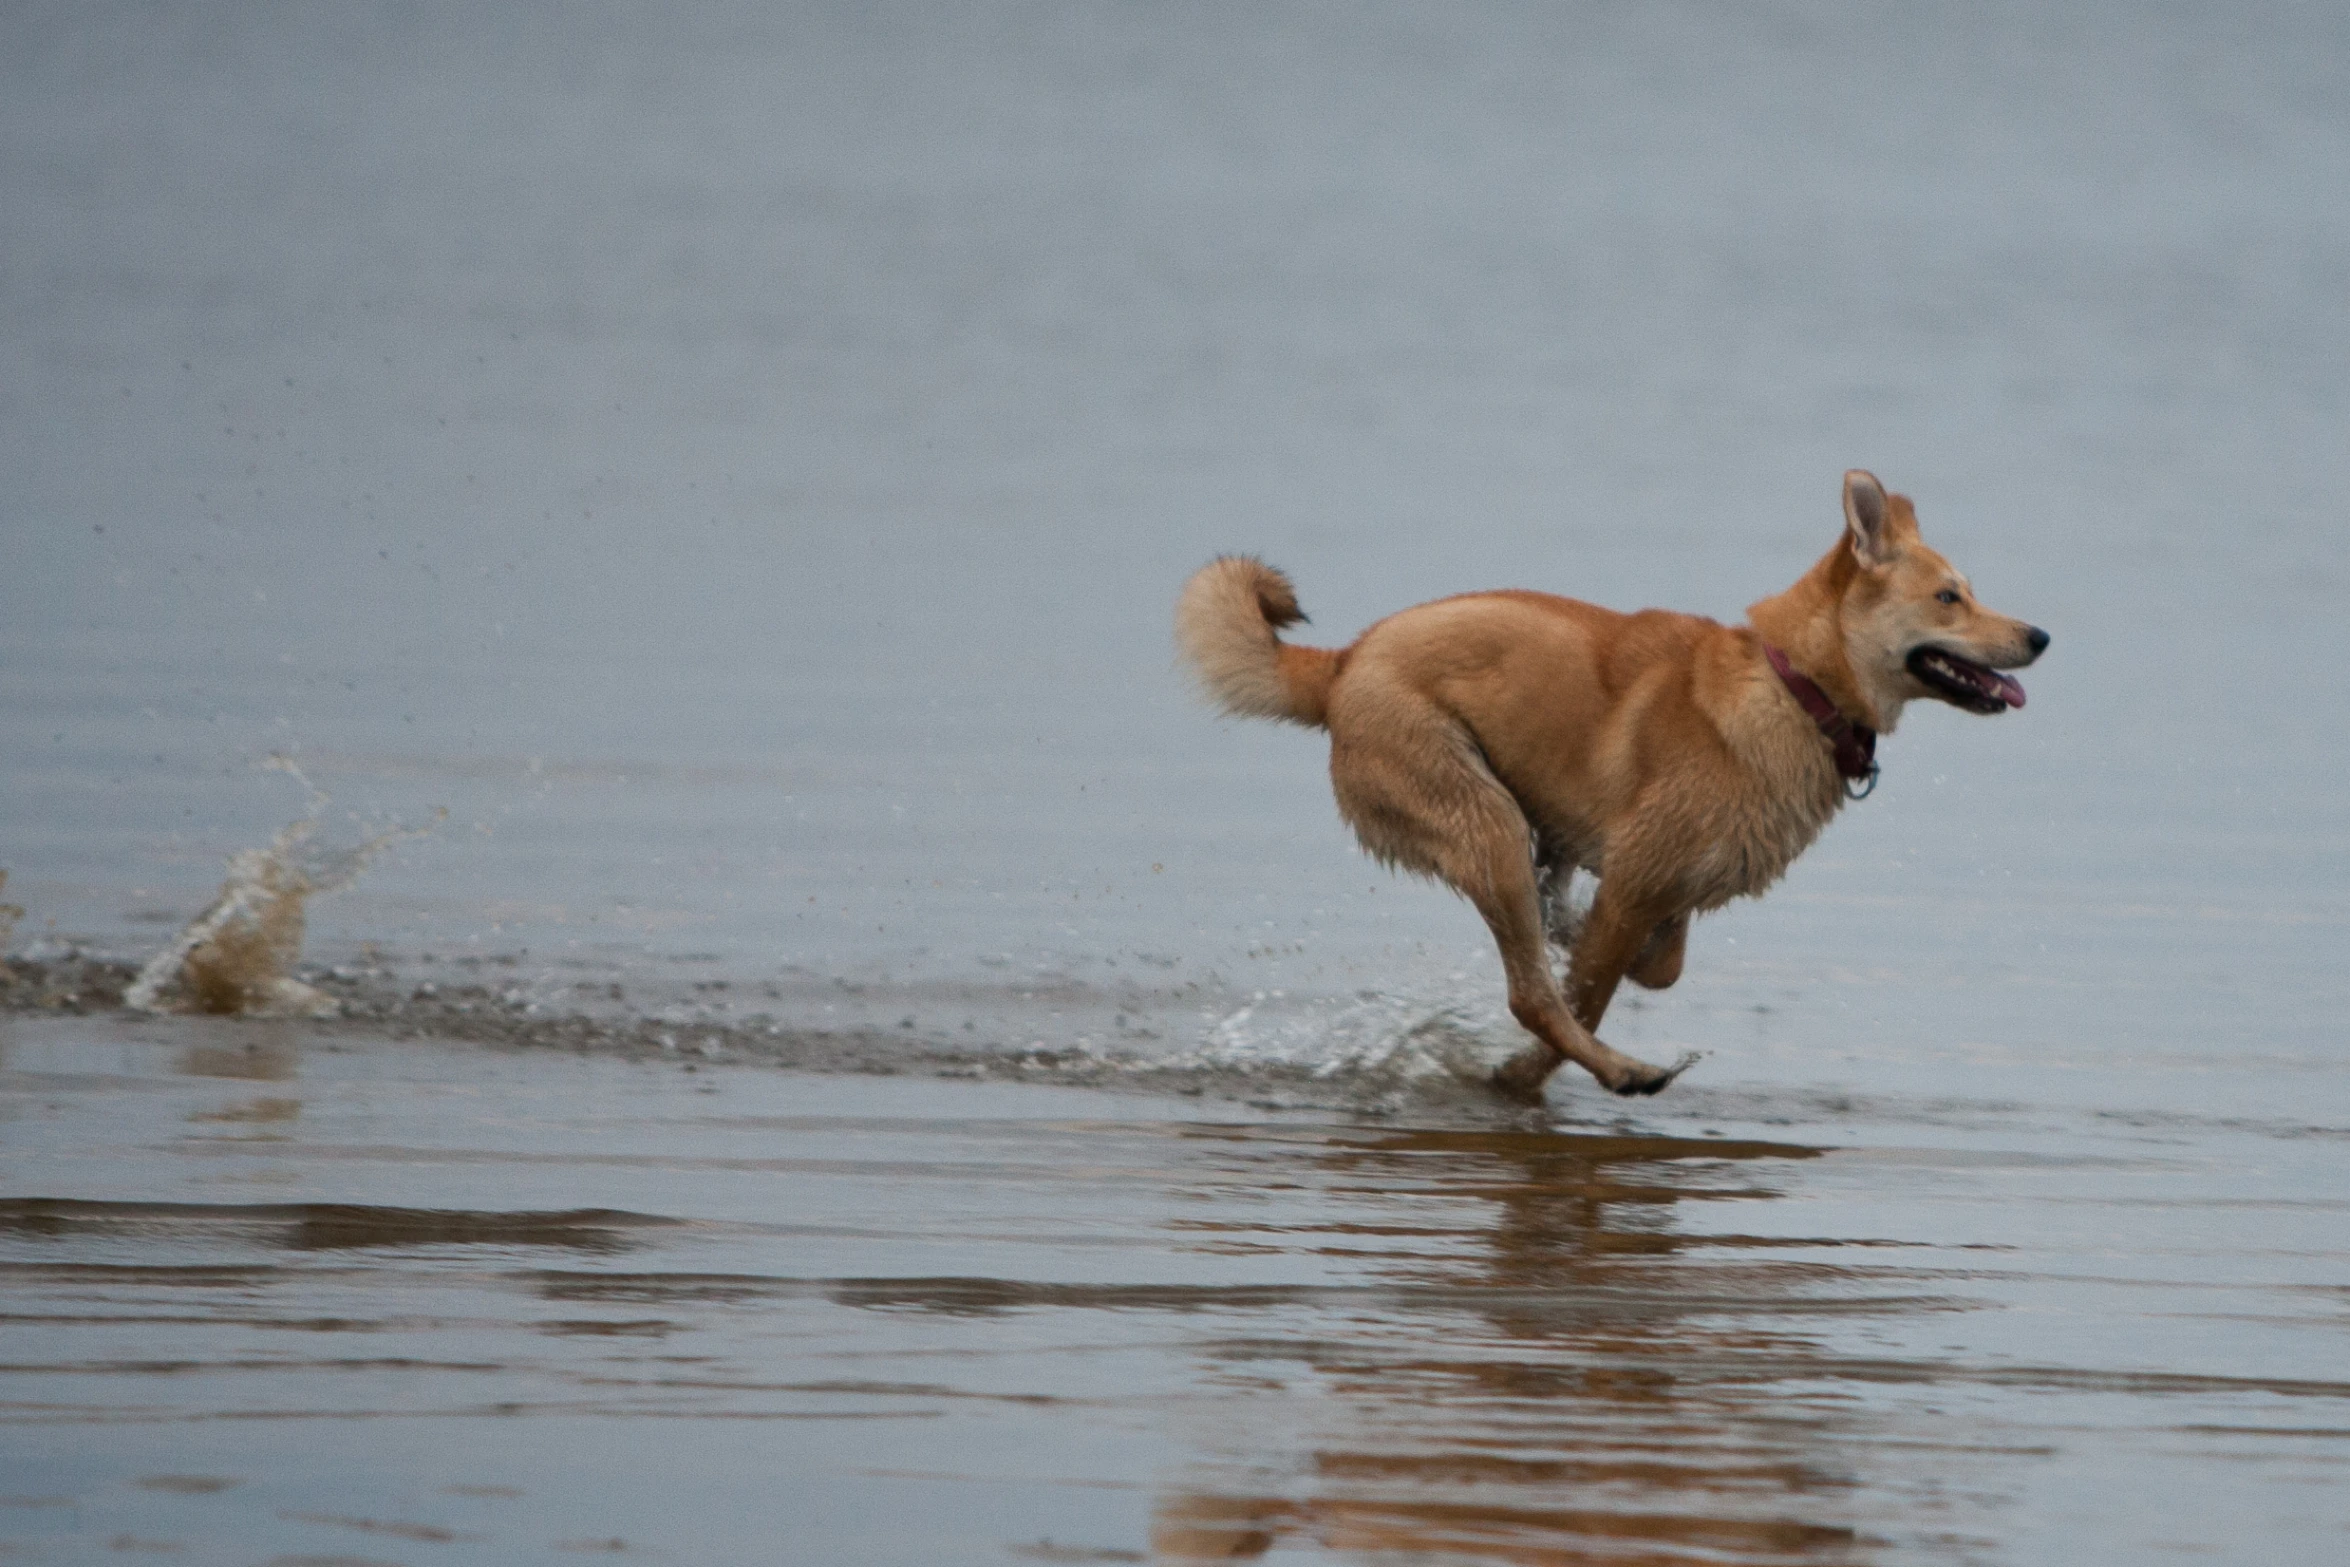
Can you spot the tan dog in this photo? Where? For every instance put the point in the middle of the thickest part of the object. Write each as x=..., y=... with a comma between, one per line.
x=1499, y=742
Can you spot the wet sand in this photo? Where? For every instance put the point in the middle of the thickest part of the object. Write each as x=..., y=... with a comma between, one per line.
x=278, y=1294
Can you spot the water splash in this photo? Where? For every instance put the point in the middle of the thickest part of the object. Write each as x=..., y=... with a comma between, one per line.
x=1375, y=1041
x=238, y=956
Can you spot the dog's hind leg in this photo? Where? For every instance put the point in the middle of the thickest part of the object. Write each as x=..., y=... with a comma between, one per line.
x=1425, y=800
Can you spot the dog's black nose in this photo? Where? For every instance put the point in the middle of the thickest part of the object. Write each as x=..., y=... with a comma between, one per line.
x=2038, y=639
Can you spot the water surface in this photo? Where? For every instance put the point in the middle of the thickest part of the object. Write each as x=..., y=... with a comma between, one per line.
x=344, y=1296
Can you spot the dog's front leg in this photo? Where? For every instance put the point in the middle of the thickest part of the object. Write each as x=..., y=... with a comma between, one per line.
x=1515, y=917
x=1623, y=930
x=1615, y=934
x=1513, y=912
x=1658, y=963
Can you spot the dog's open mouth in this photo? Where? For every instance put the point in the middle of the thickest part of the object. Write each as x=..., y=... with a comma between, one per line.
x=1964, y=683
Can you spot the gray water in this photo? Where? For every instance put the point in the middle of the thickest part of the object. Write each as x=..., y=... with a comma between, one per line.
x=739, y=462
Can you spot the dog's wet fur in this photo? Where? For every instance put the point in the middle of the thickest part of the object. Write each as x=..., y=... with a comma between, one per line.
x=1500, y=742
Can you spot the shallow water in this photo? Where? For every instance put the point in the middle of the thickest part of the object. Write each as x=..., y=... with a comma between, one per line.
x=406, y=1301
x=740, y=465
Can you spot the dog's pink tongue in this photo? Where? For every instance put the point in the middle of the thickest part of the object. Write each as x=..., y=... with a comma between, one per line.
x=2009, y=691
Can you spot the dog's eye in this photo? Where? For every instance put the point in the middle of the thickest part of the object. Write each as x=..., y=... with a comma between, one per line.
x=1946, y=596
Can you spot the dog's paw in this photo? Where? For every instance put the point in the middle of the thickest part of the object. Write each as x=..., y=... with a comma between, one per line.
x=1656, y=1079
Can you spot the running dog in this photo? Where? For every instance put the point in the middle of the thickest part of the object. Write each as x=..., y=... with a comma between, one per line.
x=1499, y=742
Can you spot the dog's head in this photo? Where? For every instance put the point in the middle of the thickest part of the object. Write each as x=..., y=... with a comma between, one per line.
x=1912, y=627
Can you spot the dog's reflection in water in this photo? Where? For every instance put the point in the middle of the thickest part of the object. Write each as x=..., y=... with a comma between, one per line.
x=1592, y=1384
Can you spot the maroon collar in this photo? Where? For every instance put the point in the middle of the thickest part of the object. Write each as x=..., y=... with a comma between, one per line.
x=1855, y=744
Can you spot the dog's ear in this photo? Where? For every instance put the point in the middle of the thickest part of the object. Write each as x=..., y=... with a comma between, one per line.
x=1867, y=517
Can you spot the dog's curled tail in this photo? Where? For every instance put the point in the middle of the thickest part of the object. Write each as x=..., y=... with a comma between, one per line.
x=1225, y=623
